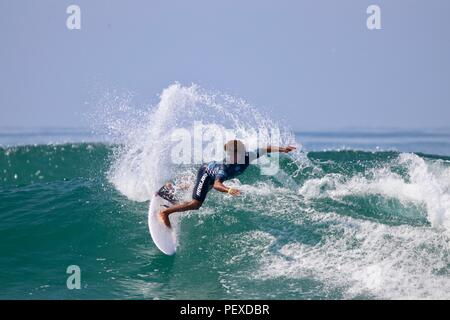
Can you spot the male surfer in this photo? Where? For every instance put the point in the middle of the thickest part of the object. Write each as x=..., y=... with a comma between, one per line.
x=213, y=174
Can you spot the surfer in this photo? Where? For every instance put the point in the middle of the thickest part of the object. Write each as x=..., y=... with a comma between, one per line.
x=213, y=174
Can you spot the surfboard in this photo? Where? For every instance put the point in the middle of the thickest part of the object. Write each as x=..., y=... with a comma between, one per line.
x=164, y=238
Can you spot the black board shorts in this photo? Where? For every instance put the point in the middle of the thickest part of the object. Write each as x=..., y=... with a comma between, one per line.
x=202, y=185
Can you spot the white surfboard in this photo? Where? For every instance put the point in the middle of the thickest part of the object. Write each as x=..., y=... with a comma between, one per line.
x=164, y=237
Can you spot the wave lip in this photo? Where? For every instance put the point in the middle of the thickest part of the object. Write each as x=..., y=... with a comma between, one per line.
x=144, y=161
x=18, y=136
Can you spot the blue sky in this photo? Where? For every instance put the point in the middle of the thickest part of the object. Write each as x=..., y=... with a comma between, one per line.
x=312, y=64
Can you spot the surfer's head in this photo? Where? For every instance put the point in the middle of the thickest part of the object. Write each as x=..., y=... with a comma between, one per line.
x=235, y=152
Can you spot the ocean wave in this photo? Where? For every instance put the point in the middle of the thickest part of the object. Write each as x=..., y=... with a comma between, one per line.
x=336, y=224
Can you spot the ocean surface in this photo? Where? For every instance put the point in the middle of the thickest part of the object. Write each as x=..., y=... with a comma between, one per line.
x=353, y=214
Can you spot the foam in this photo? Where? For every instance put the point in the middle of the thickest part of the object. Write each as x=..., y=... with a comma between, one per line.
x=360, y=258
x=427, y=183
x=365, y=258
x=355, y=257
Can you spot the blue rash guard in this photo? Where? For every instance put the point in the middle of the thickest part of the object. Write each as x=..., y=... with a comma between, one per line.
x=221, y=171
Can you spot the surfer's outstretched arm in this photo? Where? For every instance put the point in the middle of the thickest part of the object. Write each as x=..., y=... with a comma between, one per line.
x=186, y=206
x=272, y=149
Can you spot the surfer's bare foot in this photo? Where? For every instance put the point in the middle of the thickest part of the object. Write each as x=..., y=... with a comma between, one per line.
x=165, y=218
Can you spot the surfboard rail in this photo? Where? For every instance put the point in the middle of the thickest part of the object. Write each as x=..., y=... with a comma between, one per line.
x=163, y=237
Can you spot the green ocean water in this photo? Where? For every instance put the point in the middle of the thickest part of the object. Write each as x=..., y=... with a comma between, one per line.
x=342, y=225
x=349, y=215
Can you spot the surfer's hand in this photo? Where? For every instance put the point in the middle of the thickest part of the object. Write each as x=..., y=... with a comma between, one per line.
x=234, y=192
x=288, y=149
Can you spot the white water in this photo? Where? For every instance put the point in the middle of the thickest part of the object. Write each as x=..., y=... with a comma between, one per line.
x=361, y=257
x=145, y=159
x=368, y=258
x=427, y=184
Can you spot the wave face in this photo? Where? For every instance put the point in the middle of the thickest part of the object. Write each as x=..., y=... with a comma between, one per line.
x=329, y=225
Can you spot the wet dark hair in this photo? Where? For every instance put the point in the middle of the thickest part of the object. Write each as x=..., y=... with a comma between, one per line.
x=234, y=145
